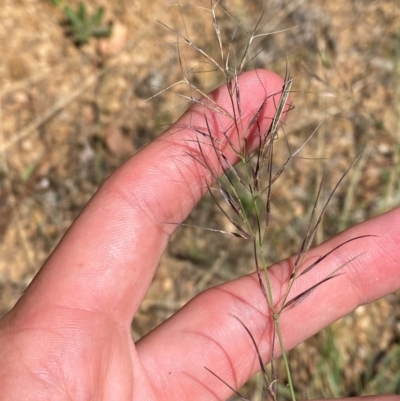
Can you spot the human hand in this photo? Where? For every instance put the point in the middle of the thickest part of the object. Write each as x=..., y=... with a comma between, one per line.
x=68, y=338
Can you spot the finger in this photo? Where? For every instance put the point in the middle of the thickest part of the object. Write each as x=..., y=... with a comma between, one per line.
x=206, y=333
x=108, y=257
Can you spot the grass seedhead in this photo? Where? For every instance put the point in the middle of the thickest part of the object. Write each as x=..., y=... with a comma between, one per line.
x=244, y=193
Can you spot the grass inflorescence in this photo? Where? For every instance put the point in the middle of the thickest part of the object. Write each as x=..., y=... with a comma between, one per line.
x=244, y=192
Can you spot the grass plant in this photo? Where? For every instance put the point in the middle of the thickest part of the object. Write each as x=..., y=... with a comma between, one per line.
x=244, y=193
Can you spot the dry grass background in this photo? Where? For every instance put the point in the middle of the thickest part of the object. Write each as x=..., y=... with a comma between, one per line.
x=70, y=116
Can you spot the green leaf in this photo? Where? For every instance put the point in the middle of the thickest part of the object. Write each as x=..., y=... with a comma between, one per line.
x=101, y=31
x=82, y=14
x=72, y=17
x=98, y=16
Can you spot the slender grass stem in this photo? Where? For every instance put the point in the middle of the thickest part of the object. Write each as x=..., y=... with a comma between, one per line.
x=284, y=355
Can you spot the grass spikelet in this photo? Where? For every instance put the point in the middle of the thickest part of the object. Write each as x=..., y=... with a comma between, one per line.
x=256, y=173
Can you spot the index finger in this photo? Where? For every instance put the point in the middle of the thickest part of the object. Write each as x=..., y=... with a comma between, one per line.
x=108, y=257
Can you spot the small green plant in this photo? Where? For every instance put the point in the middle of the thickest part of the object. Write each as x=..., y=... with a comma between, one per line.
x=81, y=26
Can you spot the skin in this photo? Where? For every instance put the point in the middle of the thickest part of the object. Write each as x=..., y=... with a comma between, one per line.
x=68, y=337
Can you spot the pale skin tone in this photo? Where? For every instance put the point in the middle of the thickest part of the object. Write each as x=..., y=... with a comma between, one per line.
x=68, y=338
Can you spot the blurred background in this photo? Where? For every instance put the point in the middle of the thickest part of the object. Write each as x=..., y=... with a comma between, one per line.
x=75, y=79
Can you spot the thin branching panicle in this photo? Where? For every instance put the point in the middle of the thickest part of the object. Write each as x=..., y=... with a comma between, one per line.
x=256, y=174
